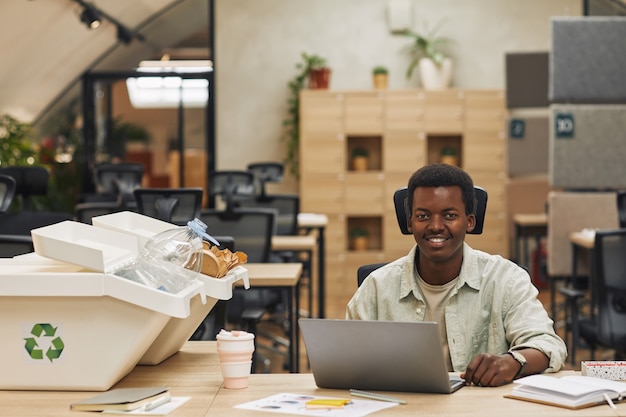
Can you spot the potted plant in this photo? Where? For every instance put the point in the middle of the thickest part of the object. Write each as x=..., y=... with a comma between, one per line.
x=291, y=124
x=359, y=238
x=360, y=159
x=435, y=67
x=319, y=72
x=380, y=75
x=449, y=155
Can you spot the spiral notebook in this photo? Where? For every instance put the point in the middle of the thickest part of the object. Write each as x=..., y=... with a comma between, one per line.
x=377, y=355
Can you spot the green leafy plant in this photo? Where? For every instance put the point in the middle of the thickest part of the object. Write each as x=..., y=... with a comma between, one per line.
x=379, y=70
x=291, y=124
x=427, y=45
x=360, y=152
x=359, y=232
x=448, y=151
x=16, y=142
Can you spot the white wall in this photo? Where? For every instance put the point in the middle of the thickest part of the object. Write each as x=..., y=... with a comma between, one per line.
x=259, y=42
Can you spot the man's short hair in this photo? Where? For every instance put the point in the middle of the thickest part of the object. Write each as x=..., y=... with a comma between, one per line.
x=443, y=175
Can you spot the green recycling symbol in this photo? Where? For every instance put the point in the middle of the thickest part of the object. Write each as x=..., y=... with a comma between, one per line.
x=44, y=330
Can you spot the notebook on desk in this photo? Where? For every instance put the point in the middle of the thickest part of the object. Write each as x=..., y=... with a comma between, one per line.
x=377, y=355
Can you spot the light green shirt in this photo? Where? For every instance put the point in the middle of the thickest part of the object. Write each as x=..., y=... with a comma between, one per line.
x=492, y=309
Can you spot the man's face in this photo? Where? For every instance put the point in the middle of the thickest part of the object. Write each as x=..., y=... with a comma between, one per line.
x=439, y=223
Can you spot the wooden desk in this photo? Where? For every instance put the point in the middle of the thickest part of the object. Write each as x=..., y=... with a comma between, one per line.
x=284, y=276
x=194, y=372
x=318, y=222
x=526, y=226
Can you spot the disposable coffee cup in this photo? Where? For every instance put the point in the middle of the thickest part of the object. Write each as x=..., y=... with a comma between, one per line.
x=235, y=350
x=236, y=374
x=235, y=346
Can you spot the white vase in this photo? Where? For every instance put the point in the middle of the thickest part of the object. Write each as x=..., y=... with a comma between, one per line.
x=433, y=76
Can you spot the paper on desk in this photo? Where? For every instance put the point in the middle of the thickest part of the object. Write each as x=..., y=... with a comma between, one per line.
x=161, y=410
x=286, y=403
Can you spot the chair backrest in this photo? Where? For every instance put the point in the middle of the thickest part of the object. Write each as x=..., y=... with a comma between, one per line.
x=22, y=222
x=226, y=242
x=231, y=186
x=609, y=286
x=173, y=205
x=621, y=208
x=287, y=206
x=119, y=179
x=401, y=206
x=364, y=270
x=29, y=181
x=13, y=245
x=84, y=212
x=7, y=191
x=251, y=228
x=265, y=172
x=400, y=203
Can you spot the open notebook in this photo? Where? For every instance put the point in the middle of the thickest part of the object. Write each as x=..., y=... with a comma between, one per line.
x=377, y=355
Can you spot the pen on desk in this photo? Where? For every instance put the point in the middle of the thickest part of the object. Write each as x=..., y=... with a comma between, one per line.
x=374, y=396
x=157, y=403
x=609, y=401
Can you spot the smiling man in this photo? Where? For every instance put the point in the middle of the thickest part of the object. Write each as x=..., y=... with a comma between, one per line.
x=493, y=328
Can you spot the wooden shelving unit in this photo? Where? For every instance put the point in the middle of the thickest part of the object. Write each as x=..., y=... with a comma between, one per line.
x=402, y=131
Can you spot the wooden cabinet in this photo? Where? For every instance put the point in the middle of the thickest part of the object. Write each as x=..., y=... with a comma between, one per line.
x=401, y=131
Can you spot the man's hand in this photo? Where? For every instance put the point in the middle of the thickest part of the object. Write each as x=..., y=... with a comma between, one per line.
x=491, y=370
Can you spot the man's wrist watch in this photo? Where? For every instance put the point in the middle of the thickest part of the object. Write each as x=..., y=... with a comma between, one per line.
x=520, y=359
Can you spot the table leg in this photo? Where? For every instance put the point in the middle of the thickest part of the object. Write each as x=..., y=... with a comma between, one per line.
x=295, y=368
x=321, y=274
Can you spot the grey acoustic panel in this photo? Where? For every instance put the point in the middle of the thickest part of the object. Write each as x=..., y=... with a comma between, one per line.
x=527, y=79
x=588, y=147
x=588, y=60
x=529, y=154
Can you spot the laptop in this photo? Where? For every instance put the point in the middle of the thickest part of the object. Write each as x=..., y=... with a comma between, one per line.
x=377, y=355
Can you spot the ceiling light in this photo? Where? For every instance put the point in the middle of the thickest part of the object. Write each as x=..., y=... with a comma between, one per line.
x=154, y=91
x=165, y=65
x=90, y=16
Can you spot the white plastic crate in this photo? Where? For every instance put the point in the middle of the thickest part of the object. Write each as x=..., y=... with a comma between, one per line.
x=79, y=331
x=67, y=241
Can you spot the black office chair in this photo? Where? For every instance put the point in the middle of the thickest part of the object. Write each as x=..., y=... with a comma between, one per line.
x=287, y=207
x=173, y=205
x=29, y=181
x=265, y=172
x=231, y=186
x=84, y=212
x=118, y=181
x=7, y=191
x=13, y=245
x=605, y=323
x=401, y=205
x=252, y=230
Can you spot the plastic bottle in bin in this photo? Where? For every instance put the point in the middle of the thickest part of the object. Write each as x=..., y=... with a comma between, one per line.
x=170, y=260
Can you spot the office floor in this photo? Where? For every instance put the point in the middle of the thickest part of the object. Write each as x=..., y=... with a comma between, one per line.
x=277, y=357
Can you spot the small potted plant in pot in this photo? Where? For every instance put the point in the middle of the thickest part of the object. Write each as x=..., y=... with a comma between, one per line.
x=360, y=157
x=380, y=75
x=449, y=155
x=359, y=238
x=435, y=67
x=319, y=72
